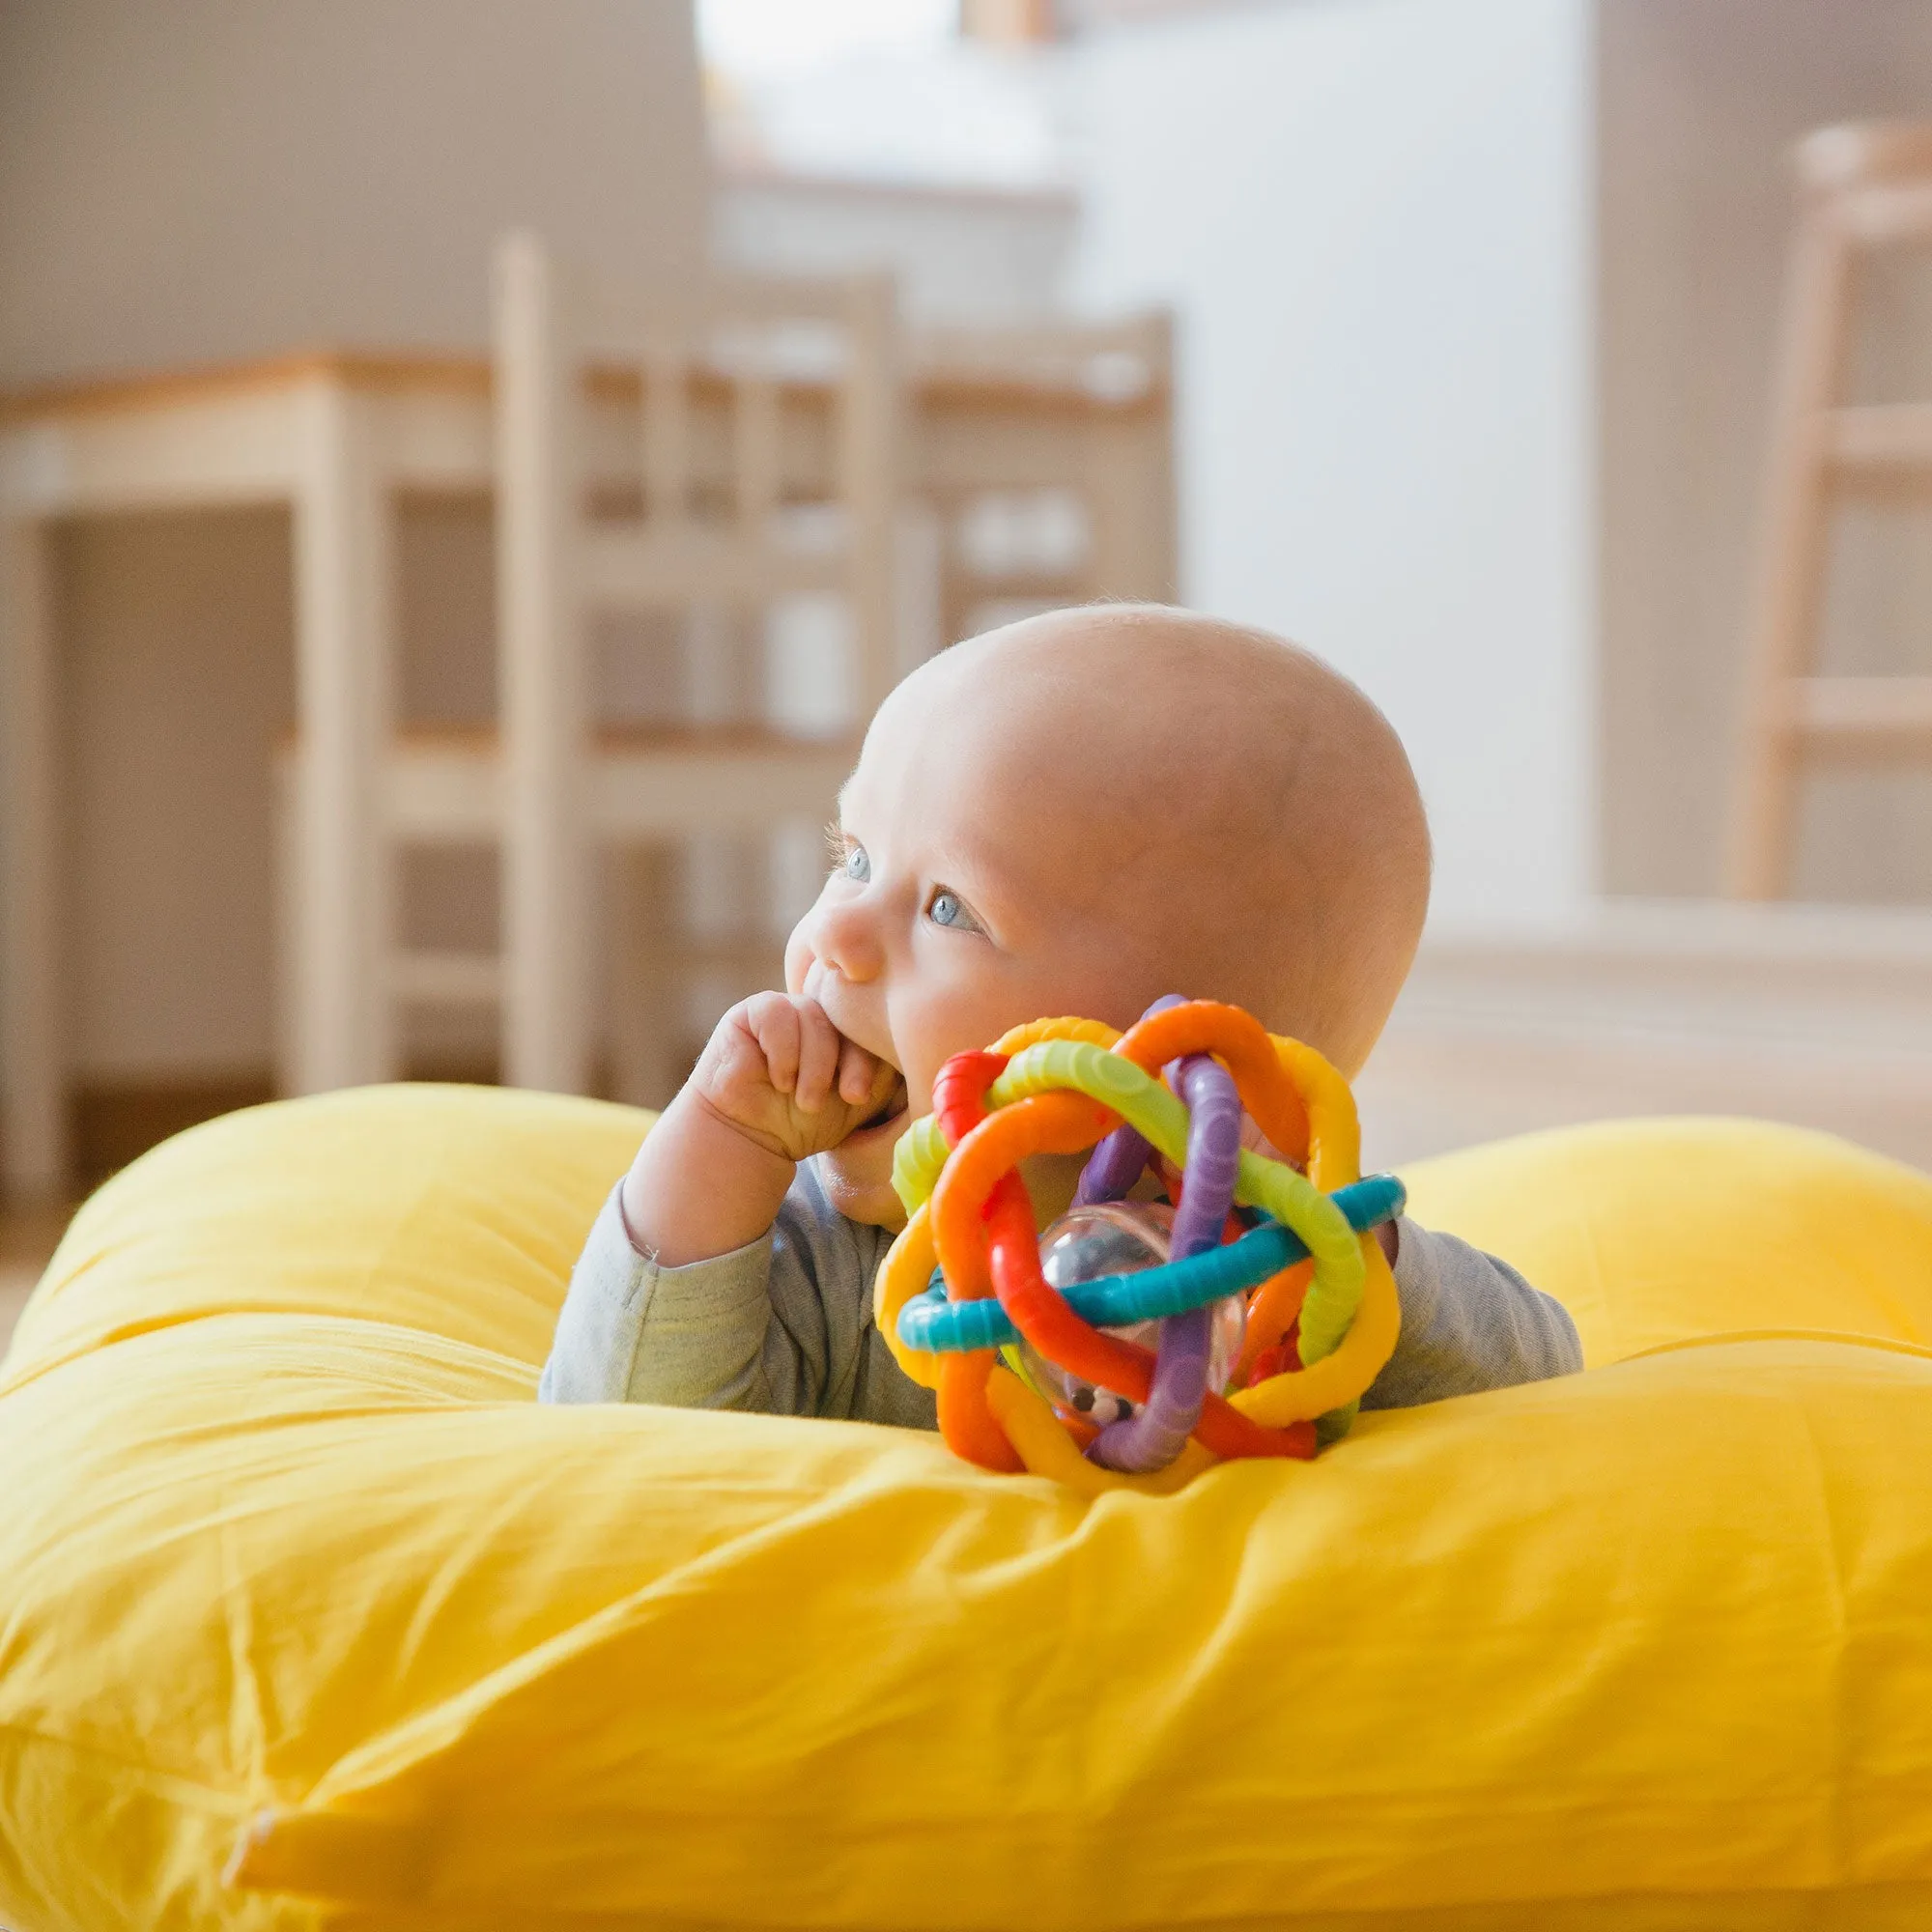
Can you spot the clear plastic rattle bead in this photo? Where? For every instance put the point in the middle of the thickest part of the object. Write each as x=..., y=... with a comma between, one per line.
x=1118, y=1237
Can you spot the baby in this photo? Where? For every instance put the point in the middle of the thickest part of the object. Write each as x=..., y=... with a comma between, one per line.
x=1074, y=814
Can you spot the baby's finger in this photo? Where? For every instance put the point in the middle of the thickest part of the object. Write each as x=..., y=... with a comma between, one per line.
x=862, y=1076
x=818, y=1057
x=775, y=1027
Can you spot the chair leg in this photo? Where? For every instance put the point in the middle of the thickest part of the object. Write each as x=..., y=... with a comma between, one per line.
x=33, y=1109
x=644, y=1015
x=1783, y=643
x=344, y=629
x=540, y=684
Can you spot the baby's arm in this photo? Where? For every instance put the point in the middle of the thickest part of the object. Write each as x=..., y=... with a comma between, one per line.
x=1468, y=1322
x=713, y=1277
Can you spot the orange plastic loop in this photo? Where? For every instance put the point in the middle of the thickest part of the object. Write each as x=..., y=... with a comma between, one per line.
x=1273, y=1311
x=1244, y=1046
x=1045, y=1124
x=968, y=1425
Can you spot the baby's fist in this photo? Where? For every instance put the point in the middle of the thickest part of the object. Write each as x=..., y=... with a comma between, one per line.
x=779, y=1071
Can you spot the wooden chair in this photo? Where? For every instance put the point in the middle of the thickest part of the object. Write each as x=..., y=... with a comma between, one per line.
x=731, y=449
x=764, y=464
x=1860, y=189
x=1046, y=453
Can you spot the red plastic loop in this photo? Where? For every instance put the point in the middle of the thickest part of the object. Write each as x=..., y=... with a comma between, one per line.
x=959, y=1094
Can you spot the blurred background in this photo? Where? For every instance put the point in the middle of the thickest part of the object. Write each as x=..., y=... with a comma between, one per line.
x=467, y=469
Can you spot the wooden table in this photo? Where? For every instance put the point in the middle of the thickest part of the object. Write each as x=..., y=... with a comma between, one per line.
x=338, y=437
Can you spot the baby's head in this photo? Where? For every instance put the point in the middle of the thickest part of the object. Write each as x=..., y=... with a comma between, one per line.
x=1085, y=811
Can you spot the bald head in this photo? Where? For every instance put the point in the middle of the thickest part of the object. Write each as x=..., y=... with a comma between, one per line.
x=1234, y=808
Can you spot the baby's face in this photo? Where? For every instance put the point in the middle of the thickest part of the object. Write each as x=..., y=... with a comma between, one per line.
x=961, y=903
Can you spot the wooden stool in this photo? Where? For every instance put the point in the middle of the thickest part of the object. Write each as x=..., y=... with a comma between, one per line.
x=1860, y=188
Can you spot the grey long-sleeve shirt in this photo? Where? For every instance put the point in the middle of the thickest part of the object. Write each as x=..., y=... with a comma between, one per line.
x=784, y=1325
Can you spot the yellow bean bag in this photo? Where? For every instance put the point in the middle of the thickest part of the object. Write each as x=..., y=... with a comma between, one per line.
x=299, y=1585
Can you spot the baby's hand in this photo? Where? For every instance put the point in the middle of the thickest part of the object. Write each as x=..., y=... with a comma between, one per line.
x=779, y=1071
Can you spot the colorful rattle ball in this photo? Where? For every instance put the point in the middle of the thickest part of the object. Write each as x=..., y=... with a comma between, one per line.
x=1139, y=1340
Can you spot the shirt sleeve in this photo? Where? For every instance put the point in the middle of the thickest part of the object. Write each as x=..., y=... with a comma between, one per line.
x=1468, y=1322
x=782, y=1325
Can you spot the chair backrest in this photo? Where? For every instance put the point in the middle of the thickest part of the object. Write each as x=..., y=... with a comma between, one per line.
x=1118, y=362
x=762, y=461
x=1047, y=455
x=1875, y=177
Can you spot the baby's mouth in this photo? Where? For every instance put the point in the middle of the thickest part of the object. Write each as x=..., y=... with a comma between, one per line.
x=889, y=1113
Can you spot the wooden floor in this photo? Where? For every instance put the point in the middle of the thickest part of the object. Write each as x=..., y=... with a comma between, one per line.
x=1823, y=1018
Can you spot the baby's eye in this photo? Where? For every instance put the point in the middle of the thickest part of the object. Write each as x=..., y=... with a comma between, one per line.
x=946, y=908
x=846, y=857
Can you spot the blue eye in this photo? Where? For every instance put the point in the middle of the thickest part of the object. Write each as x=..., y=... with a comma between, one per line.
x=857, y=865
x=947, y=910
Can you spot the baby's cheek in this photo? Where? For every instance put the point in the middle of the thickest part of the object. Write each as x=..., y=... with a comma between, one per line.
x=925, y=1054
x=919, y=1060
x=959, y=998
x=918, y=1079
x=928, y=1030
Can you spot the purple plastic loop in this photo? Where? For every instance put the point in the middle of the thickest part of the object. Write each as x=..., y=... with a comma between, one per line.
x=1157, y=1432
x=1122, y=1156
x=1213, y=1153
x=1113, y=1167
x=1155, y=1436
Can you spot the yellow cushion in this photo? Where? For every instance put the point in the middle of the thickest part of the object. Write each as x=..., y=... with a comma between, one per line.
x=1657, y=1233
x=290, y=1562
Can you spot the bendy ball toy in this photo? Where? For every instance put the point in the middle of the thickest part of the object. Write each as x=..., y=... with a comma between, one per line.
x=1139, y=1340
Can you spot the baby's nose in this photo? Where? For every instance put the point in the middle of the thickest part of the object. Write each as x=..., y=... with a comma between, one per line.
x=837, y=938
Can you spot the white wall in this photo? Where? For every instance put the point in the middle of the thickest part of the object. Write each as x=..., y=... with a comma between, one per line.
x=1374, y=220
x=206, y=180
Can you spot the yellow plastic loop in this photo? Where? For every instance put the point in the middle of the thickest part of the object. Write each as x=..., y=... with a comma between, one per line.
x=1334, y=1130
x=1016, y=1039
x=918, y=1161
x=904, y=1272
x=1338, y=1379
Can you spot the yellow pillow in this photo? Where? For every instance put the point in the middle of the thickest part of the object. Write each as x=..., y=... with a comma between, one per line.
x=296, y=1580
x=1655, y=1233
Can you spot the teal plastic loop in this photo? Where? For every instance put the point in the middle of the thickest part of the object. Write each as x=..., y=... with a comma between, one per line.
x=931, y=1321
